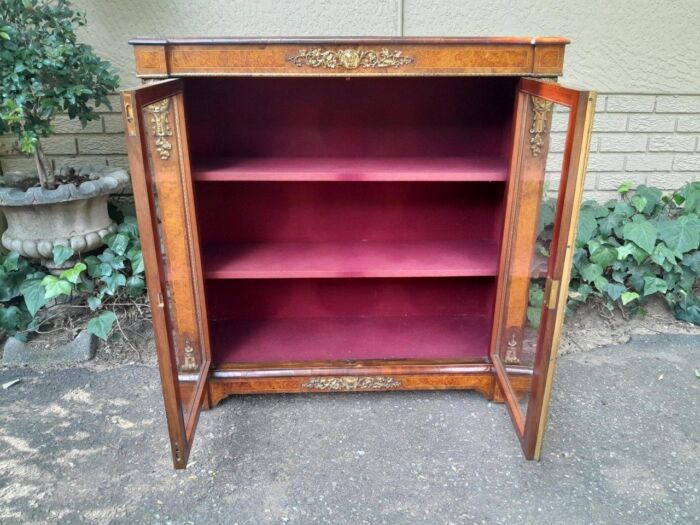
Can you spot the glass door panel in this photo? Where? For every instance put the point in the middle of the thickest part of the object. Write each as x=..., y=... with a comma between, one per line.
x=552, y=133
x=158, y=156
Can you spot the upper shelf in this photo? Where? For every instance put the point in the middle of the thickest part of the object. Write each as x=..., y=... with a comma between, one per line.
x=451, y=169
x=400, y=56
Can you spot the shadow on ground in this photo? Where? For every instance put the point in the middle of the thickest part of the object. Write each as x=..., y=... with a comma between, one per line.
x=88, y=445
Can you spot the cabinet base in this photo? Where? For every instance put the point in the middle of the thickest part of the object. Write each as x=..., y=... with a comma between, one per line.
x=481, y=377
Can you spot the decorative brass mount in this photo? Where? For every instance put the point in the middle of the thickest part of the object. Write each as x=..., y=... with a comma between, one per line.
x=511, y=357
x=161, y=127
x=350, y=383
x=540, y=108
x=349, y=58
x=189, y=363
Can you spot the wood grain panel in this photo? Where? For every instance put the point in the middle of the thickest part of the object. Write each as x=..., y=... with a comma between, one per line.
x=430, y=57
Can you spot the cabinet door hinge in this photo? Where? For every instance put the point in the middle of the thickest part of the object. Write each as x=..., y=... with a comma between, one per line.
x=551, y=292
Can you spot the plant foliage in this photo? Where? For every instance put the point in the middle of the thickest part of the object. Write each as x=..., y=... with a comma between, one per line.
x=632, y=248
x=97, y=283
x=45, y=71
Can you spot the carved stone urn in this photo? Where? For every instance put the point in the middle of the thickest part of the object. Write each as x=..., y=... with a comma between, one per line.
x=39, y=219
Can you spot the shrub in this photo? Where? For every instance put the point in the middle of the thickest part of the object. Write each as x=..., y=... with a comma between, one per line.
x=45, y=71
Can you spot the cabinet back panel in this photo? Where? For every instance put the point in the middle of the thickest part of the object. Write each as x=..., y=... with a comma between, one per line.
x=298, y=298
x=348, y=211
x=359, y=117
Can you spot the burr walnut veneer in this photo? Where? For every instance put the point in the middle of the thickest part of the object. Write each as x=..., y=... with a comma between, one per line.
x=352, y=215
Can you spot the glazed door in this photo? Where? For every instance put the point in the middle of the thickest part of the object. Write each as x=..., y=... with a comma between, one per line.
x=548, y=165
x=160, y=171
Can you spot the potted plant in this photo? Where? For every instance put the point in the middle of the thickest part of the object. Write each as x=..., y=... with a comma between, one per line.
x=45, y=72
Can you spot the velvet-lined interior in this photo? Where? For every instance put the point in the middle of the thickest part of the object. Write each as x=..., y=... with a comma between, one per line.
x=319, y=319
x=409, y=263
x=358, y=117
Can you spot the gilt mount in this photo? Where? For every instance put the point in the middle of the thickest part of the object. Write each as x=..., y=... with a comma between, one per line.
x=160, y=125
x=349, y=58
x=350, y=383
x=540, y=108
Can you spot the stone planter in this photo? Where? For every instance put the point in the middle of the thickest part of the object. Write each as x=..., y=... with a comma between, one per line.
x=75, y=216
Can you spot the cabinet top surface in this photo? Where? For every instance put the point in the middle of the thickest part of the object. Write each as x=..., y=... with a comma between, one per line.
x=389, y=40
x=360, y=56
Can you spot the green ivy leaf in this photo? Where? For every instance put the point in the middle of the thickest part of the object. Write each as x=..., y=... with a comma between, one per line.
x=10, y=318
x=651, y=195
x=34, y=295
x=112, y=282
x=118, y=242
x=55, y=286
x=628, y=297
x=608, y=224
x=94, y=303
x=615, y=290
x=11, y=263
x=114, y=260
x=624, y=187
x=136, y=259
x=61, y=254
x=691, y=194
x=692, y=261
x=129, y=227
x=638, y=203
x=135, y=285
x=601, y=284
x=73, y=274
x=632, y=249
x=605, y=255
x=654, y=284
x=681, y=234
x=662, y=254
x=101, y=325
x=587, y=226
x=590, y=271
x=641, y=232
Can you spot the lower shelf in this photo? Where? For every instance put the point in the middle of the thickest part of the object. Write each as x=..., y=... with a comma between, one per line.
x=350, y=338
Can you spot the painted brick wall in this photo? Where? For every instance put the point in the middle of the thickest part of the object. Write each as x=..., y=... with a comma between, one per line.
x=644, y=139
x=101, y=143
x=648, y=120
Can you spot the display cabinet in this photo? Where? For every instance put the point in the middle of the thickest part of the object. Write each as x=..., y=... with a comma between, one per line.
x=355, y=215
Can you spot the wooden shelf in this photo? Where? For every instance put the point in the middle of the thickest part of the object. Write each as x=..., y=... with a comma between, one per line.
x=222, y=169
x=350, y=259
x=350, y=338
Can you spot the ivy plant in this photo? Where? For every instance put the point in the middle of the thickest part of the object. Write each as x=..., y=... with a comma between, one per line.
x=97, y=283
x=45, y=70
x=632, y=248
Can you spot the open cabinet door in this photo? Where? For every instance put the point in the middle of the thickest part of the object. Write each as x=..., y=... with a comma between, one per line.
x=544, y=195
x=160, y=172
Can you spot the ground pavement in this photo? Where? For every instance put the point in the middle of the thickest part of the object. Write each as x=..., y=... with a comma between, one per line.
x=88, y=445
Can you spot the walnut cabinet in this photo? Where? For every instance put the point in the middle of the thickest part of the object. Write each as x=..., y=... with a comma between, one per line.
x=355, y=215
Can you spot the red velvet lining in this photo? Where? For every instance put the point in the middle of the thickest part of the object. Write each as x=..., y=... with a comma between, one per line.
x=314, y=319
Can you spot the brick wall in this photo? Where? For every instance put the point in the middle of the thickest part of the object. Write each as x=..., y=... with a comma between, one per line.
x=644, y=139
x=651, y=139
x=101, y=142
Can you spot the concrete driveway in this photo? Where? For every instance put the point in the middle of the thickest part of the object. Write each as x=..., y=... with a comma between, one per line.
x=88, y=445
